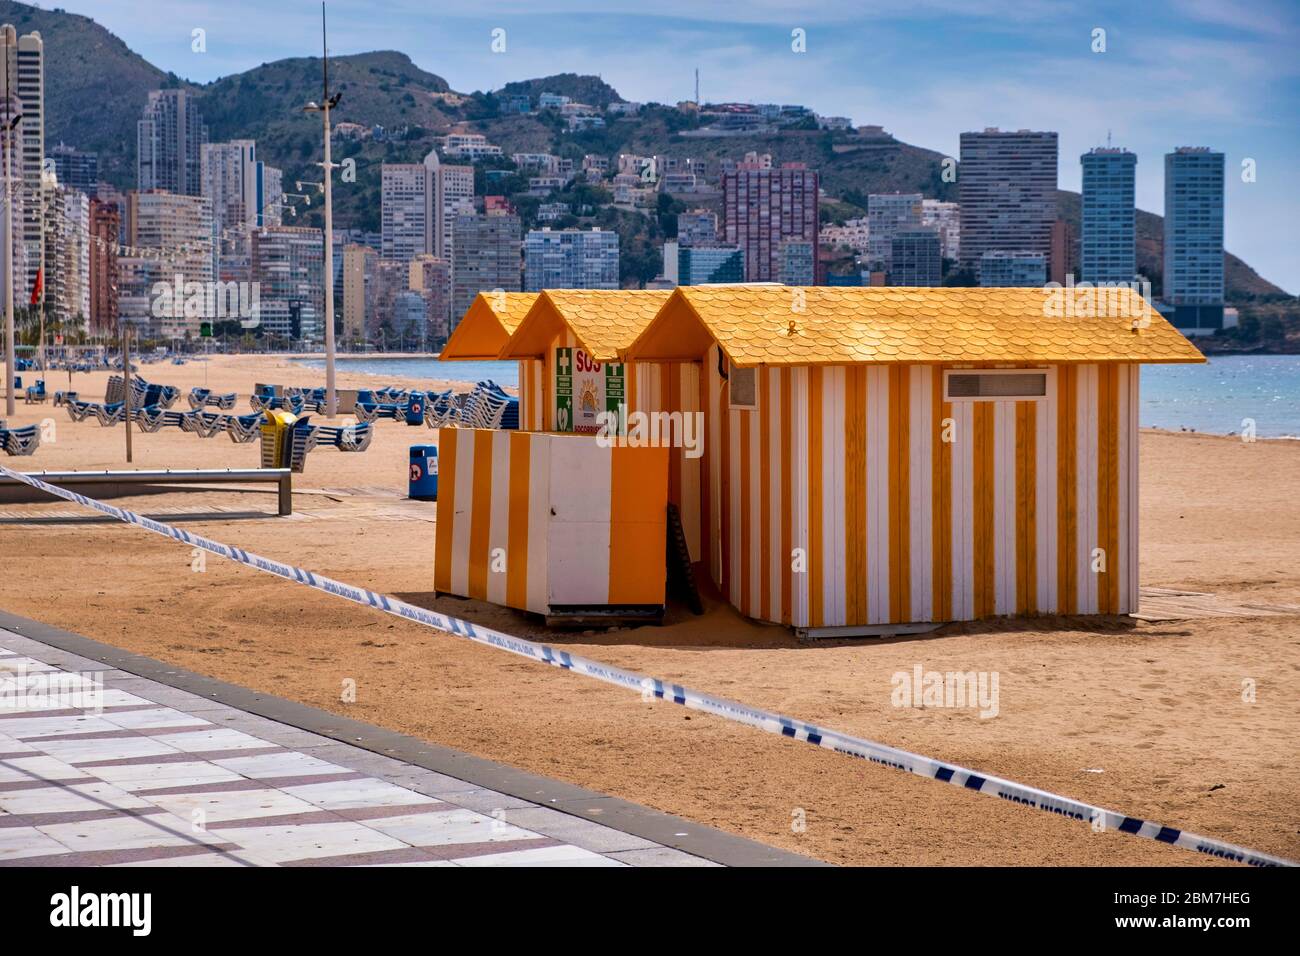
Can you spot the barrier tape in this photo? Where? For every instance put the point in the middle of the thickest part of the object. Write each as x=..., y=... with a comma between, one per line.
x=882, y=754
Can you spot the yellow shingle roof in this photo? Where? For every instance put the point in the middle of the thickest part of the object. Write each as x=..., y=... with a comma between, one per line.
x=604, y=321
x=779, y=325
x=488, y=324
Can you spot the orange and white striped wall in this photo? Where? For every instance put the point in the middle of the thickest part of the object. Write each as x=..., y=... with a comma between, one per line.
x=532, y=399
x=1031, y=508
x=539, y=520
x=651, y=387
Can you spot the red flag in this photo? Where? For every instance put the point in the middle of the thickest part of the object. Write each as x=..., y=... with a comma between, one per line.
x=38, y=286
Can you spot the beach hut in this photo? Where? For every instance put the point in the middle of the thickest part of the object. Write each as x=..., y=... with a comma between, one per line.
x=558, y=522
x=877, y=457
x=482, y=333
x=576, y=338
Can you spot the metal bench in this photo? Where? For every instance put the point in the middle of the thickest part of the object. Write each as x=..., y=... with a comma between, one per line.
x=109, y=484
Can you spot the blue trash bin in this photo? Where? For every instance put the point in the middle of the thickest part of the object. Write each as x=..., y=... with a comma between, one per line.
x=415, y=414
x=424, y=473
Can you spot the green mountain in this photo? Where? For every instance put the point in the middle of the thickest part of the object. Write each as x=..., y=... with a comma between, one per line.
x=96, y=88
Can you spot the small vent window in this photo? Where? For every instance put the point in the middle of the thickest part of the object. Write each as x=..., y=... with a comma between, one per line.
x=995, y=385
x=744, y=388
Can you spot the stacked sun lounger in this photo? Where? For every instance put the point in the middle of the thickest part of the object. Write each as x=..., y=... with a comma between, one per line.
x=292, y=400
x=305, y=436
x=202, y=398
x=35, y=394
x=441, y=409
x=488, y=406
x=20, y=441
x=370, y=407
x=142, y=393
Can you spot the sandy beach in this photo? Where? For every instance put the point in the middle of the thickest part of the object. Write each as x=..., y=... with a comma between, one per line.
x=1143, y=717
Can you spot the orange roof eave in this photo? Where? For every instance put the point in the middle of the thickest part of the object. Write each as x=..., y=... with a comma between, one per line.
x=599, y=321
x=677, y=333
x=487, y=326
x=479, y=335
x=536, y=332
x=850, y=326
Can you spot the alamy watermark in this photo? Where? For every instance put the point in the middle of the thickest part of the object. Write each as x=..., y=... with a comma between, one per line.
x=32, y=691
x=178, y=299
x=624, y=429
x=951, y=689
x=1090, y=300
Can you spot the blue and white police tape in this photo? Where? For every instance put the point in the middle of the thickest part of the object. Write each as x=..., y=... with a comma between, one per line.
x=1099, y=817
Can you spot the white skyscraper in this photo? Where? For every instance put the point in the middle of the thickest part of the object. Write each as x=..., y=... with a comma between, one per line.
x=449, y=193
x=24, y=80
x=169, y=144
x=229, y=174
x=404, y=210
x=420, y=203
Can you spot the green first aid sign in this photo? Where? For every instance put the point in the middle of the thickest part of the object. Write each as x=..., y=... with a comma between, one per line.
x=585, y=388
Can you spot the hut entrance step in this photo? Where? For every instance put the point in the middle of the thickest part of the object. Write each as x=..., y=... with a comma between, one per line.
x=681, y=576
x=809, y=634
x=603, y=615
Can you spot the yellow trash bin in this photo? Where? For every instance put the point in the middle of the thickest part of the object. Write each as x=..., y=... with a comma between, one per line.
x=275, y=432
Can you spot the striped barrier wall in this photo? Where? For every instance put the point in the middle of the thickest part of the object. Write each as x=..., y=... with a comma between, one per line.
x=533, y=520
x=849, y=464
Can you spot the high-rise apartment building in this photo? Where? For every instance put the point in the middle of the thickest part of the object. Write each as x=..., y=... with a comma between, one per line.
x=699, y=265
x=358, y=279
x=270, y=194
x=228, y=172
x=916, y=257
x=67, y=257
x=763, y=207
x=1193, y=253
x=102, y=271
x=402, y=201
x=288, y=265
x=485, y=257
x=229, y=179
x=178, y=230
x=886, y=214
x=169, y=144
x=10, y=109
x=1004, y=270
x=449, y=192
x=698, y=227
x=1108, y=241
x=431, y=277
x=945, y=217
x=419, y=205
x=1007, y=187
x=75, y=169
x=23, y=80
x=798, y=263
x=570, y=259
x=390, y=278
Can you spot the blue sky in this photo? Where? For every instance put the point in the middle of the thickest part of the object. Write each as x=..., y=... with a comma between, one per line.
x=1220, y=73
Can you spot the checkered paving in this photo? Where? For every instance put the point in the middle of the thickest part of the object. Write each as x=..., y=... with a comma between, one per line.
x=100, y=767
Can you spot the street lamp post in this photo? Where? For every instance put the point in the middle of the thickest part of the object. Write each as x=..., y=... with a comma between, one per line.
x=11, y=345
x=326, y=104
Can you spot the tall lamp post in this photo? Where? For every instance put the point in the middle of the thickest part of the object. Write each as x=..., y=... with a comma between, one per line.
x=326, y=104
x=11, y=345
